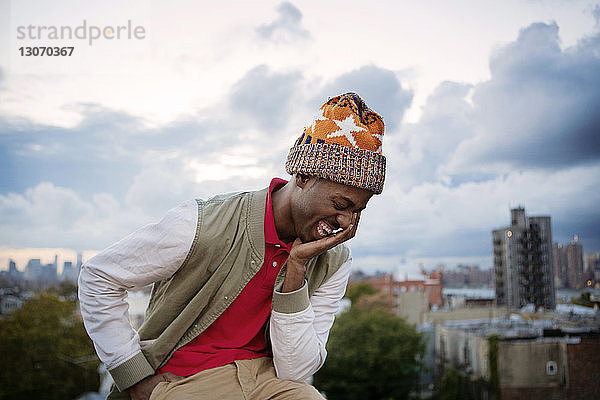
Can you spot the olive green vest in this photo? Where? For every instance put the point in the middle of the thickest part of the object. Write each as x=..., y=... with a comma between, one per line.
x=227, y=251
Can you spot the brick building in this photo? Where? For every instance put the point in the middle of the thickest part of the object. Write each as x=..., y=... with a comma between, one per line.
x=468, y=276
x=535, y=359
x=411, y=295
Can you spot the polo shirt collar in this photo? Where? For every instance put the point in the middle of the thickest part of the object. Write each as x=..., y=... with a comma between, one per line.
x=270, y=230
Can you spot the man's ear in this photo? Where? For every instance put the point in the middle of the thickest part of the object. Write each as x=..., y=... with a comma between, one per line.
x=302, y=180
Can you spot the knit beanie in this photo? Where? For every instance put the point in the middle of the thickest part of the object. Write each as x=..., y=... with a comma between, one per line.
x=342, y=144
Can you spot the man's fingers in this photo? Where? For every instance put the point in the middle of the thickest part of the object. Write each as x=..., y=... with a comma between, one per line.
x=355, y=220
x=306, y=251
x=342, y=236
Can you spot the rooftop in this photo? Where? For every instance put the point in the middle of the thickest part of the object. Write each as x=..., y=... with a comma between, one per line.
x=517, y=327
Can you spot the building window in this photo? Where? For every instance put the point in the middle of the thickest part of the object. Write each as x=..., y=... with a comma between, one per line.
x=551, y=368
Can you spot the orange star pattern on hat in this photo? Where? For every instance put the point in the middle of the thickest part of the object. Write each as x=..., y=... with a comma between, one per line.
x=342, y=144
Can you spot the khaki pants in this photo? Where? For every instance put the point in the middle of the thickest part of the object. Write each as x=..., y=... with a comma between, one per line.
x=241, y=380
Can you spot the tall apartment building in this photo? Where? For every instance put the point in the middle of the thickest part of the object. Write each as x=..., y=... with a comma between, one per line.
x=561, y=273
x=523, y=262
x=568, y=265
x=590, y=261
x=591, y=275
x=575, y=264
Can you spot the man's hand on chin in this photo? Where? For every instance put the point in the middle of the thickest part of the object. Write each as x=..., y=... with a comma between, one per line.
x=301, y=253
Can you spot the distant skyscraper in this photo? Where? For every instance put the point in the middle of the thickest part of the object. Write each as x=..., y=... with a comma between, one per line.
x=595, y=271
x=575, y=264
x=12, y=268
x=568, y=265
x=559, y=256
x=79, y=264
x=33, y=270
x=69, y=272
x=523, y=262
x=590, y=262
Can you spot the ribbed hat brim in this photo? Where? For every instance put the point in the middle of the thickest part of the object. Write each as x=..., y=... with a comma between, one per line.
x=350, y=166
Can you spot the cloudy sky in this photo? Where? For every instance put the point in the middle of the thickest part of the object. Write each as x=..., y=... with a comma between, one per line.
x=488, y=105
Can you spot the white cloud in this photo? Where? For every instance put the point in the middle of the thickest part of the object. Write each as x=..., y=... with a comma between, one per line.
x=437, y=220
x=539, y=107
x=50, y=216
x=421, y=150
x=286, y=27
x=527, y=135
x=379, y=87
x=596, y=14
x=265, y=97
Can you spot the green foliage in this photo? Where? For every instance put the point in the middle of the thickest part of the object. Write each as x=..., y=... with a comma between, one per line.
x=493, y=366
x=371, y=355
x=360, y=289
x=65, y=290
x=45, y=352
x=453, y=385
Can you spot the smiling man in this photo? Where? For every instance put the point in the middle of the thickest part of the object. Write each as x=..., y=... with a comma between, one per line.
x=246, y=285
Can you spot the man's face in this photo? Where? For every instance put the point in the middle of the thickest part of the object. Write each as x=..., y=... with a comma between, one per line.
x=322, y=207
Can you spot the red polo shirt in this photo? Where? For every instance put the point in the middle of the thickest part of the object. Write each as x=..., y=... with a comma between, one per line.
x=235, y=336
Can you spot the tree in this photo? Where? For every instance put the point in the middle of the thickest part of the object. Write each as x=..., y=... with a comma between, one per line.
x=45, y=352
x=494, y=381
x=372, y=355
x=379, y=300
x=453, y=385
x=64, y=290
x=359, y=289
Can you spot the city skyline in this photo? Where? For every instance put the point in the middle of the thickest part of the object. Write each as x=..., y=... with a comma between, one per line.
x=22, y=256
x=488, y=106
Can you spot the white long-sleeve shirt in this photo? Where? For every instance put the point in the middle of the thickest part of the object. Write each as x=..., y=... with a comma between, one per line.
x=155, y=252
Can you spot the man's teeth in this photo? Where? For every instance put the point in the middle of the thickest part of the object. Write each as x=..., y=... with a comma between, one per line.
x=324, y=229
